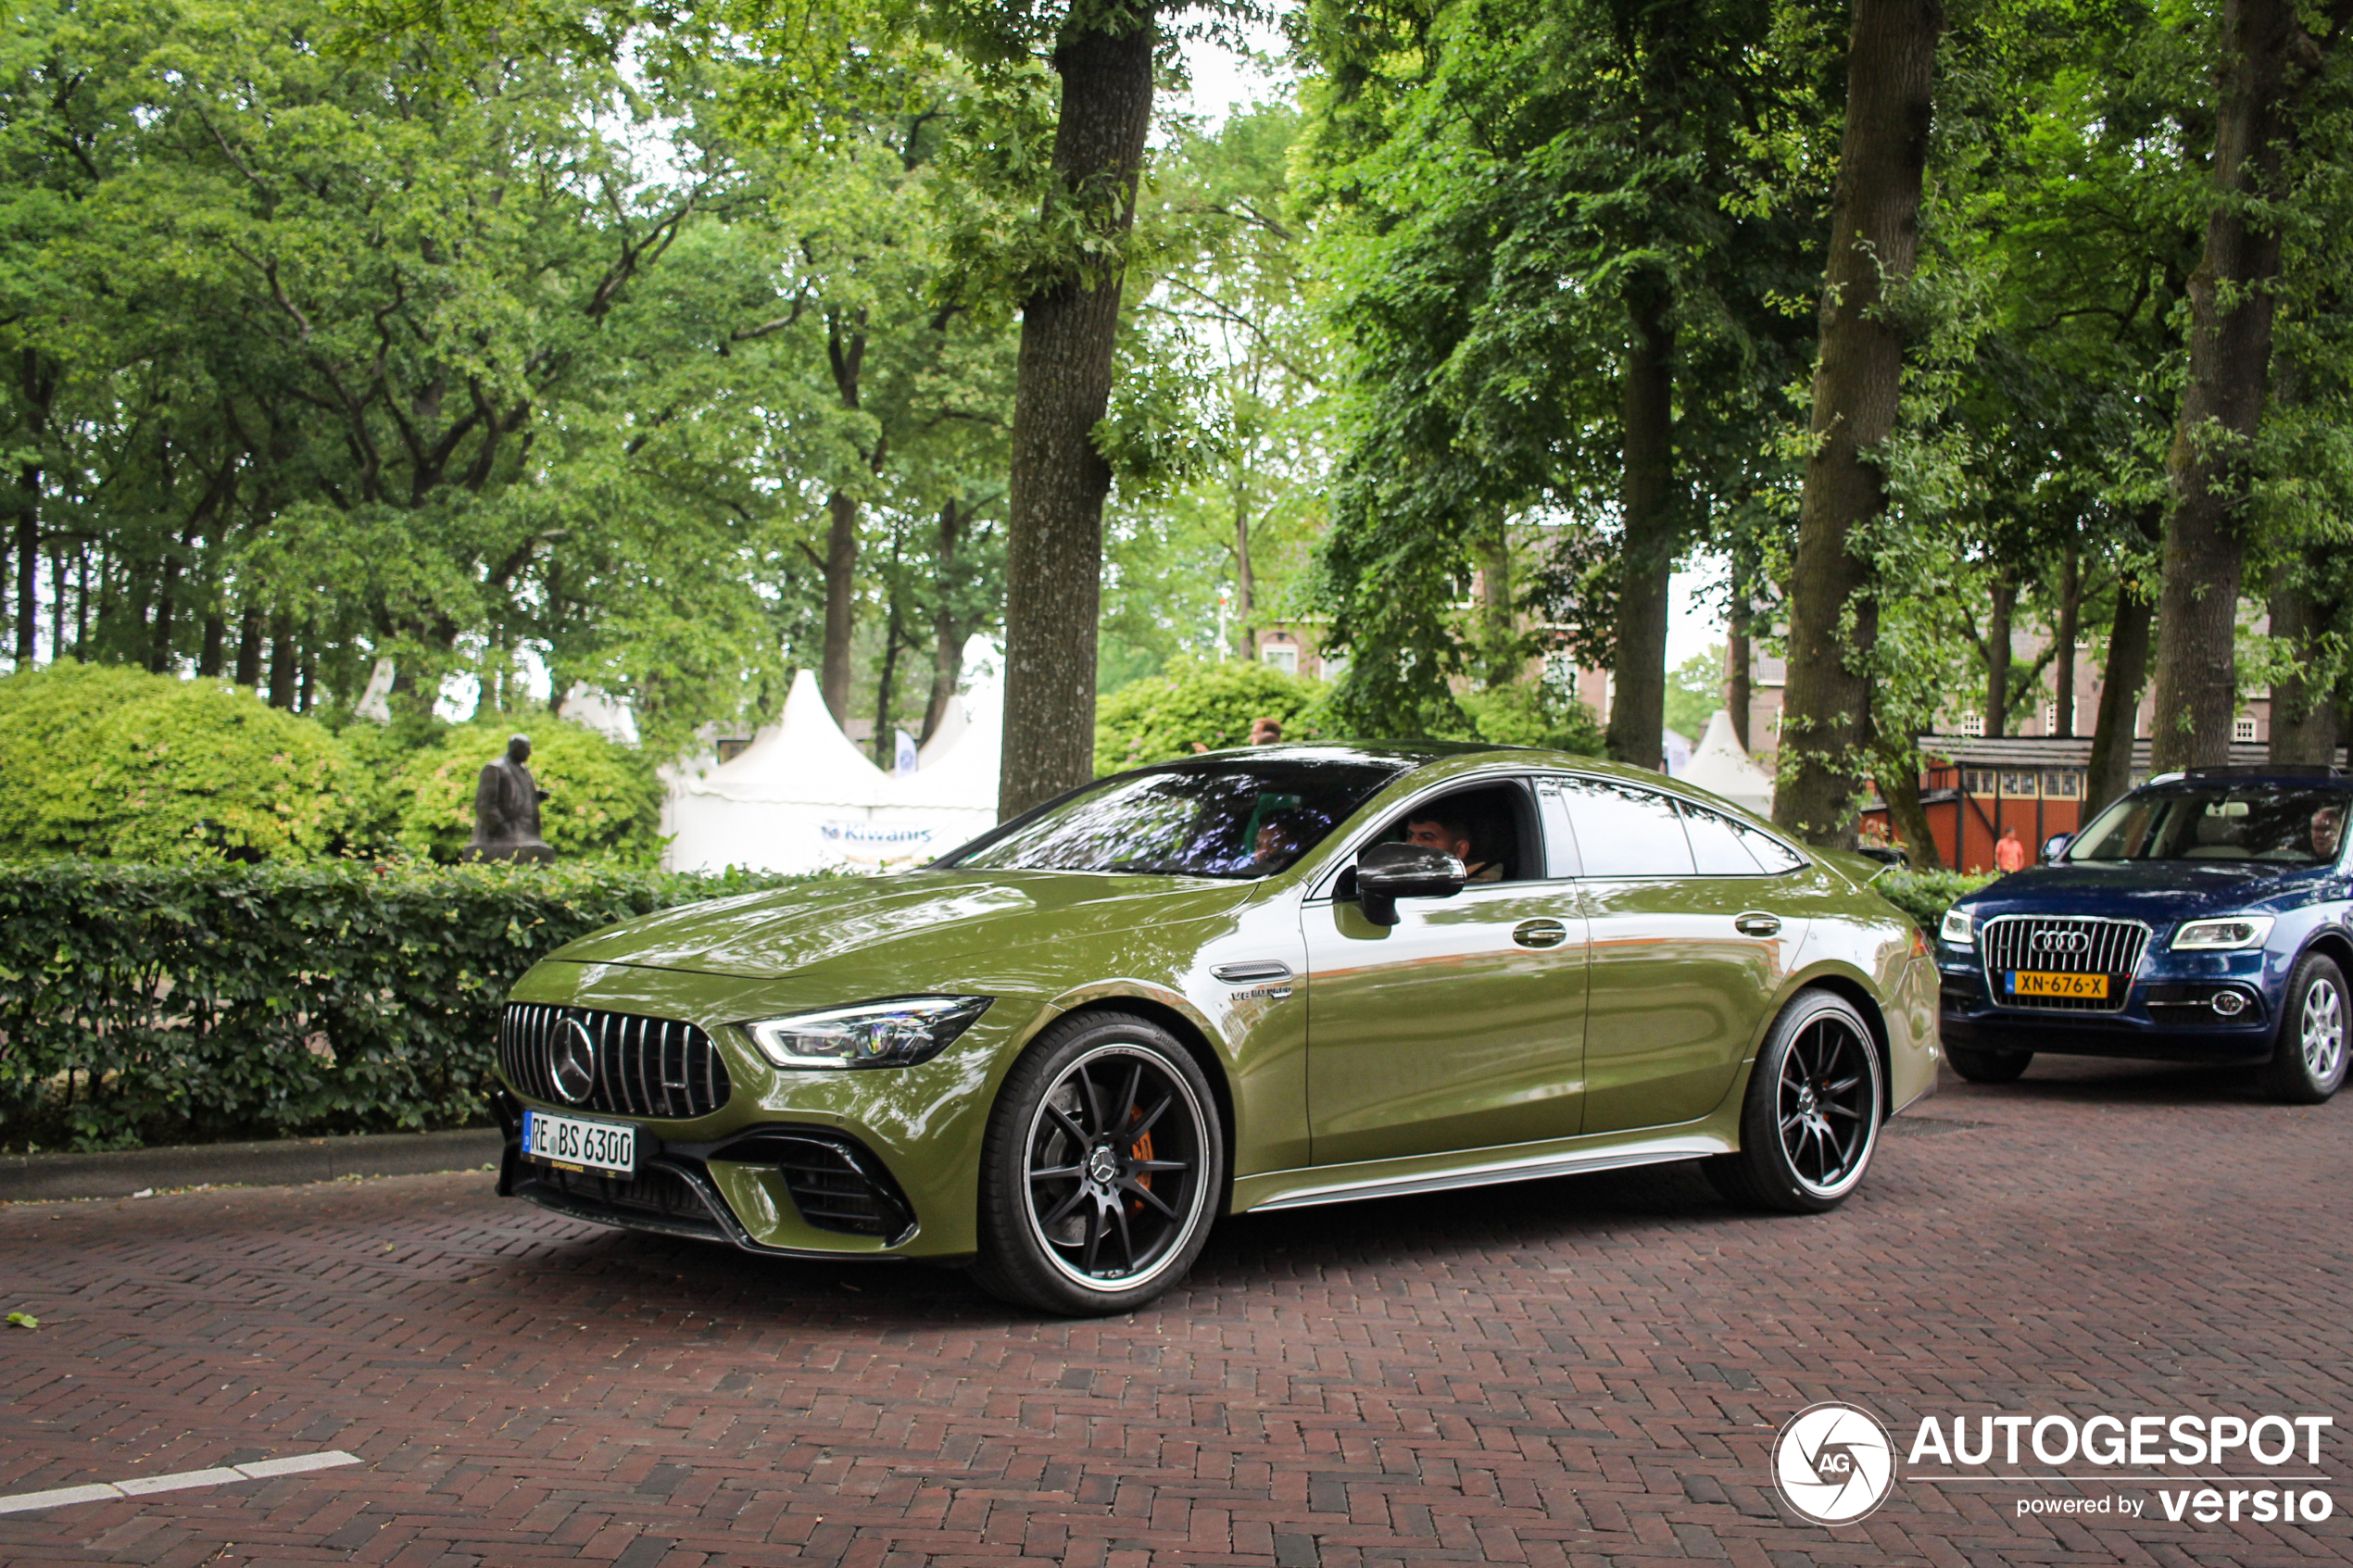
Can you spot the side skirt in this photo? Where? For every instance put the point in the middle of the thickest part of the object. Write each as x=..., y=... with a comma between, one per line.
x=1468, y=1168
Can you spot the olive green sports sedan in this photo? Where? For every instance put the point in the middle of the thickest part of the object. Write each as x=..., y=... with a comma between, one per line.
x=1250, y=980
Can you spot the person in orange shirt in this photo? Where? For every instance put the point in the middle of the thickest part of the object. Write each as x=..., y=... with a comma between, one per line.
x=2010, y=855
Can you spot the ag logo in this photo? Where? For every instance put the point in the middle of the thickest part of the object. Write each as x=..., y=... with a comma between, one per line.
x=1833, y=1463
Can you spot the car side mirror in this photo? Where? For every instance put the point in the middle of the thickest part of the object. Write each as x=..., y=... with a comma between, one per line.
x=1386, y=873
x=2056, y=846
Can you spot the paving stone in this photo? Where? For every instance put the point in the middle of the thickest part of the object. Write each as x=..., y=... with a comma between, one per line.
x=1585, y=1371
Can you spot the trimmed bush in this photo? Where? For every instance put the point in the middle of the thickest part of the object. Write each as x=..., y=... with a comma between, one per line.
x=1925, y=895
x=44, y=719
x=189, y=769
x=604, y=801
x=1533, y=713
x=159, y=1004
x=1161, y=717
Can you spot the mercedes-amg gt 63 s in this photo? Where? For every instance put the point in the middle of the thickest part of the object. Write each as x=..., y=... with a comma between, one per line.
x=2205, y=917
x=1250, y=980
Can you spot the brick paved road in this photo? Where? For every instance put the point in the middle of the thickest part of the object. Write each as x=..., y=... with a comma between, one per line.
x=1587, y=1370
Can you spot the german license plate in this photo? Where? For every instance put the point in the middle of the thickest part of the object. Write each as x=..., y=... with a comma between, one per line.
x=574, y=1145
x=2029, y=983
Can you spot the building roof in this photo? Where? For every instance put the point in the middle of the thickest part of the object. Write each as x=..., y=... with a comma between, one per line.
x=2056, y=751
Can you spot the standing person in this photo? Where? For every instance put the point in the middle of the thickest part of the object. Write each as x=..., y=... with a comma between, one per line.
x=2009, y=855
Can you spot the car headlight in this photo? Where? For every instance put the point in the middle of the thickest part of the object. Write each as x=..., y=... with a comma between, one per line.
x=2230, y=933
x=898, y=1031
x=1959, y=928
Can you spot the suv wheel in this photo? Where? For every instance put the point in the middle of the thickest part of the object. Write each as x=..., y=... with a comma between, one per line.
x=1812, y=1117
x=1988, y=1067
x=2308, y=1064
x=1101, y=1173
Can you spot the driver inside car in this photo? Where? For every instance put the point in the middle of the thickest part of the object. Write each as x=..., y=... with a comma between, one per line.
x=1454, y=837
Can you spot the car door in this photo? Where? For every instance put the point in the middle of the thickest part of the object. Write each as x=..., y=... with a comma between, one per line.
x=1689, y=950
x=1461, y=1026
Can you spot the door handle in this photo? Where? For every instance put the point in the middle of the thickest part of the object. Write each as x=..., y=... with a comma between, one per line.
x=1539, y=934
x=1756, y=923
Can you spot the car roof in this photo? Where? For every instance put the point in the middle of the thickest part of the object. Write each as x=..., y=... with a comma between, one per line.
x=2283, y=775
x=1444, y=758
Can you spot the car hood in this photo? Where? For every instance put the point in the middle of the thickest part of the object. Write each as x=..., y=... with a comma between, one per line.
x=2152, y=891
x=927, y=918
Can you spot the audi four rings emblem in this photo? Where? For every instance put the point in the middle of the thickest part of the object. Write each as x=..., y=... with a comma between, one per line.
x=2062, y=941
x=574, y=1061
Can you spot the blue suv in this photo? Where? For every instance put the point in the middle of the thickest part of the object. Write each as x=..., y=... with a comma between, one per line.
x=2205, y=917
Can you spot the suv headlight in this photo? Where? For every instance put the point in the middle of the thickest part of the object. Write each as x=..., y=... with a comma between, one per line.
x=1959, y=928
x=2227, y=935
x=898, y=1031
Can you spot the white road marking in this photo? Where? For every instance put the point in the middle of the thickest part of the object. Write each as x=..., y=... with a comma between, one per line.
x=141, y=1485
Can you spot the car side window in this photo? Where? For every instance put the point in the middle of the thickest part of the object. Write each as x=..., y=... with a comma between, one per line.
x=1724, y=846
x=1624, y=832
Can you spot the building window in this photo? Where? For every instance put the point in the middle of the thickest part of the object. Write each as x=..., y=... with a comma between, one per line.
x=2242, y=729
x=1976, y=781
x=2023, y=786
x=2063, y=783
x=1972, y=724
x=1283, y=658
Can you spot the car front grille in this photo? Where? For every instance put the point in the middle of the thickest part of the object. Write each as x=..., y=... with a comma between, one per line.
x=2063, y=945
x=655, y=1067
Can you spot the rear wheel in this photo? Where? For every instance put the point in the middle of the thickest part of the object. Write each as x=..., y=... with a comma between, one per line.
x=2307, y=1065
x=1988, y=1067
x=1812, y=1120
x=1102, y=1168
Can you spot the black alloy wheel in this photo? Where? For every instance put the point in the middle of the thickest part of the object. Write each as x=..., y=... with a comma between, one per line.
x=2307, y=1062
x=1811, y=1120
x=1102, y=1171
x=1988, y=1067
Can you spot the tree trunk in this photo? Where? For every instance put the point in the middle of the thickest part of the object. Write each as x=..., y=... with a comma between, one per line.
x=2070, y=615
x=2229, y=357
x=1874, y=235
x=1996, y=650
x=2303, y=711
x=1738, y=668
x=1498, y=635
x=249, y=636
x=281, y=662
x=1637, y=709
x=1245, y=581
x=840, y=574
x=215, y=647
x=947, y=637
x=1054, y=544
x=885, y=747
x=27, y=564
x=2122, y=677
x=1898, y=776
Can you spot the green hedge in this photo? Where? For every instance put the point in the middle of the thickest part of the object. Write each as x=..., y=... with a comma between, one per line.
x=161, y=1004
x=1925, y=895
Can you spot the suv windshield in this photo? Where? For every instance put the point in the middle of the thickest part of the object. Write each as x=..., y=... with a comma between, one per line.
x=2277, y=824
x=1239, y=818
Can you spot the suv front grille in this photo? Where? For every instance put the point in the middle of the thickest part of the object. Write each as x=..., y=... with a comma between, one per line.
x=2063, y=945
x=656, y=1067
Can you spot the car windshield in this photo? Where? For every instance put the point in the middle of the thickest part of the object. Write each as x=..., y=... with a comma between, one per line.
x=2272, y=824
x=1239, y=818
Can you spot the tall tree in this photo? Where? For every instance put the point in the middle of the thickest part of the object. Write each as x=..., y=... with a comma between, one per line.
x=1826, y=721
x=2268, y=64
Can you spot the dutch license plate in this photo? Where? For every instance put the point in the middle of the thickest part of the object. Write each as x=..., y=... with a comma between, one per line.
x=2029, y=983
x=580, y=1146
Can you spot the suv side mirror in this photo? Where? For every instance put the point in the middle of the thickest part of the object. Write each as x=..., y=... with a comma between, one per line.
x=2056, y=846
x=1386, y=873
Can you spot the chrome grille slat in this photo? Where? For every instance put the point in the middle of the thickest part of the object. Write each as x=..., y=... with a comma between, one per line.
x=653, y=1067
x=2110, y=946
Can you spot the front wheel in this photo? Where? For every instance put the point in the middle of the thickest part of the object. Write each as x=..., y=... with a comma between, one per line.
x=2307, y=1065
x=1811, y=1120
x=1102, y=1168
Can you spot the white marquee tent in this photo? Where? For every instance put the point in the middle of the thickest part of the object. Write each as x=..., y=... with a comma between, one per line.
x=801, y=797
x=1720, y=765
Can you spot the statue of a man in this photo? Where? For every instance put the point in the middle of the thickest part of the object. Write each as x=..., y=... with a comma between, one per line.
x=507, y=810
